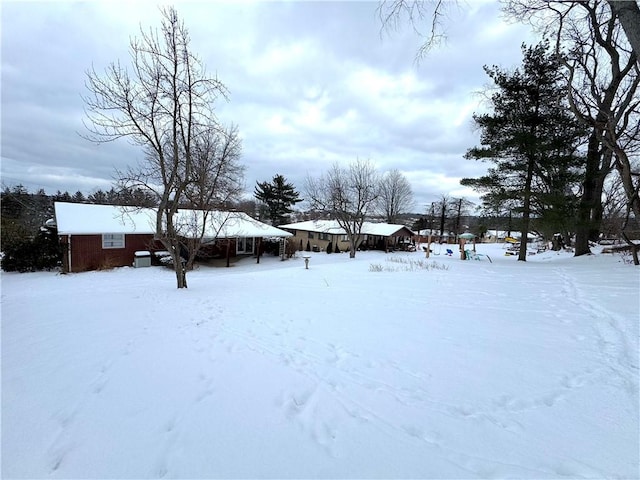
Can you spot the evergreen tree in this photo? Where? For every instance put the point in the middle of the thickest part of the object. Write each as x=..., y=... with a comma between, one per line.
x=532, y=139
x=99, y=197
x=279, y=195
x=62, y=197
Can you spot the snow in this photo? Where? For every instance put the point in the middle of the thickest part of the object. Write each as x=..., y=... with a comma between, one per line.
x=88, y=219
x=382, y=366
x=91, y=219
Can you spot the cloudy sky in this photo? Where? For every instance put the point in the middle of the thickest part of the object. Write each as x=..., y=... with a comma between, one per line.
x=311, y=83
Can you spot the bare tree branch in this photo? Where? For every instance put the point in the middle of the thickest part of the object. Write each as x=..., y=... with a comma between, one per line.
x=348, y=195
x=165, y=104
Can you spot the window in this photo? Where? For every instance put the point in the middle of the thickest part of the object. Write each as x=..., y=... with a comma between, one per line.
x=310, y=234
x=323, y=236
x=113, y=240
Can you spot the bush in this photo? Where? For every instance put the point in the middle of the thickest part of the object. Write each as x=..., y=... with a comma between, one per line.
x=41, y=252
x=336, y=249
x=330, y=247
x=308, y=249
x=290, y=248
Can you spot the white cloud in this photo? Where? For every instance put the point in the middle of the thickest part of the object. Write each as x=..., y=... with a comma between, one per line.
x=312, y=83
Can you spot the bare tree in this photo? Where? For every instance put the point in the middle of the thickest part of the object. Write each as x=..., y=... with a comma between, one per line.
x=461, y=207
x=215, y=183
x=348, y=195
x=393, y=13
x=396, y=196
x=603, y=79
x=164, y=104
x=217, y=176
x=628, y=12
x=442, y=209
x=426, y=18
x=614, y=207
x=604, y=63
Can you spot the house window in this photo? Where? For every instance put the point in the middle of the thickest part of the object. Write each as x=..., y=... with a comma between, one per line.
x=345, y=238
x=113, y=240
x=323, y=236
x=310, y=234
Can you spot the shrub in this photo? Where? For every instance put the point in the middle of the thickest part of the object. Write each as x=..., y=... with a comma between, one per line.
x=290, y=248
x=308, y=249
x=330, y=247
x=25, y=254
x=336, y=249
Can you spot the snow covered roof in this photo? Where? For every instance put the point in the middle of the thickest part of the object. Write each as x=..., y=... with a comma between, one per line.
x=221, y=224
x=385, y=229
x=319, y=226
x=332, y=227
x=503, y=234
x=92, y=219
x=426, y=232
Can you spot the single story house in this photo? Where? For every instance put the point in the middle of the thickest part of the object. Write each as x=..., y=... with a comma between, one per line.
x=105, y=236
x=319, y=233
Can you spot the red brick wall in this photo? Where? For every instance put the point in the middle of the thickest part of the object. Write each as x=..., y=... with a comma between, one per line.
x=87, y=252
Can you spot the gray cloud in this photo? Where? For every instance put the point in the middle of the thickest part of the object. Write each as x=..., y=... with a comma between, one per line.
x=312, y=83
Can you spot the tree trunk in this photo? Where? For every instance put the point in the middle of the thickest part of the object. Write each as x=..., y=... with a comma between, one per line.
x=593, y=176
x=181, y=275
x=628, y=13
x=526, y=212
x=597, y=210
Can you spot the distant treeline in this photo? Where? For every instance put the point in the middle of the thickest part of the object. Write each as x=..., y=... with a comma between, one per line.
x=28, y=242
x=24, y=212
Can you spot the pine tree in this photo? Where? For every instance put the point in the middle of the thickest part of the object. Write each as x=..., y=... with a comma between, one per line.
x=532, y=139
x=279, y=195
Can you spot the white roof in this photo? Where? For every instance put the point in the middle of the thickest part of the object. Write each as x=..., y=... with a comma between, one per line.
x=332, y=227
x=426, y=232
x=319, y=226
x=383, y=229
x=92, y=219
x=503, y=233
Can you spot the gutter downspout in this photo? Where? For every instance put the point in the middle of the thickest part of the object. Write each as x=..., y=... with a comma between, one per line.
x=69, y=252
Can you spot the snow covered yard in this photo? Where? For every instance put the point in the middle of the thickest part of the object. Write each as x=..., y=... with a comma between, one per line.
x=469, y=370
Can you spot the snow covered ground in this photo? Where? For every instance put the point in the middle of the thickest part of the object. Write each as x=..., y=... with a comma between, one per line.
x=460, y=370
